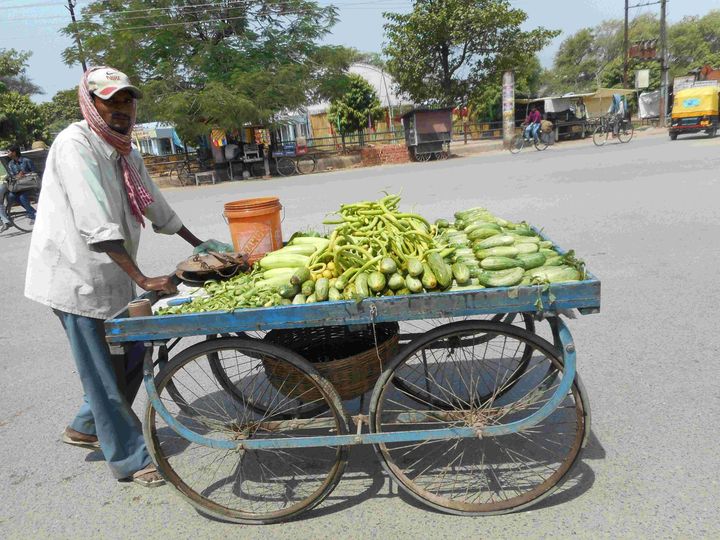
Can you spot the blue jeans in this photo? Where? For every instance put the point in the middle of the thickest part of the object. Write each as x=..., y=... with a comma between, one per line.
x=531, y=130
x=106, y=410
x=3, y=215
x=24, y=200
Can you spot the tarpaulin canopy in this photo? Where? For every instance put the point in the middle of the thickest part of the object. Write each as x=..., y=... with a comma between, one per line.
x=649, y=104
x=696, y=101
x=596, y=103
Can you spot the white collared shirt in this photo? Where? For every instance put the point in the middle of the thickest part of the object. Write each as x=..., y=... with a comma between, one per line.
x=82, y=202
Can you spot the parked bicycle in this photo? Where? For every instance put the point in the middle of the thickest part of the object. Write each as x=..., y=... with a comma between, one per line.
x=541, y=140
x=303, y=164
x=609, y=125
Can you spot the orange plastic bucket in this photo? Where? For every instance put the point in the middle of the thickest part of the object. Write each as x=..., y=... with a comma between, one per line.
x=255, y=226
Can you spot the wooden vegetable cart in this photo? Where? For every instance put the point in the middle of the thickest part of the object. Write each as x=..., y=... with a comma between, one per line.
x=475, y=412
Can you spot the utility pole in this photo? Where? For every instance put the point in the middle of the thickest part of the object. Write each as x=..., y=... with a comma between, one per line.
x=625, y=45
x=508, y=107
x=663, y=63
x=71, y=9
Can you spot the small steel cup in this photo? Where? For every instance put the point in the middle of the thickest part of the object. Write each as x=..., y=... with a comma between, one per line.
x=140, y=308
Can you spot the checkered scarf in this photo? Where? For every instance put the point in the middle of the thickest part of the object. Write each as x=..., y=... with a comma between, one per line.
x=138, y=195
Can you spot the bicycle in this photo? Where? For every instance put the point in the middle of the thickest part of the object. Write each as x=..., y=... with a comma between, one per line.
x=541, y=140
x=18, y=216
x=625, y=130
x=303, y=164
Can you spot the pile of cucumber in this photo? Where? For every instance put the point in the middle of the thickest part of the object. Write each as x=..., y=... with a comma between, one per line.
x=501, y=253
x=360, y=259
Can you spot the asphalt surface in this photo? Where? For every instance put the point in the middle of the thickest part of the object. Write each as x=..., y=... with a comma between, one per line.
x=645, y=218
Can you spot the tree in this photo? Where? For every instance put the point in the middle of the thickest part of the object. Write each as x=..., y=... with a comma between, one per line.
x=356, y=109
x=445, y=52
x=487, y=103
x=213, y=66
x=13, y=76
x=62, y=110
x=21, y=121
x=594, y=56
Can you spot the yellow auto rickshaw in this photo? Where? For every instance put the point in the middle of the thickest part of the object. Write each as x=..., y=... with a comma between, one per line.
x=695, y=109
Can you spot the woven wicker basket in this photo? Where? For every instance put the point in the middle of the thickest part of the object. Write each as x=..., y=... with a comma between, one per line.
x=347, y=358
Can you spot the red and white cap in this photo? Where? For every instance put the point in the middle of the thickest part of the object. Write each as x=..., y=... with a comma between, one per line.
x=106, y=82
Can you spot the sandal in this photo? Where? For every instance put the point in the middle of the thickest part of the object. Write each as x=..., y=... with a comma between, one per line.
x=148, y=477
x=75, y=438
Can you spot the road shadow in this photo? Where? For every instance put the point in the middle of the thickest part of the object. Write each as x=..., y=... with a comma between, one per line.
x=12, y=232
x=697, y=137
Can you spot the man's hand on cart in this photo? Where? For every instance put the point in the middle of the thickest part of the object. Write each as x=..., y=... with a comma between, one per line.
x=163, y=284
x=213, y=245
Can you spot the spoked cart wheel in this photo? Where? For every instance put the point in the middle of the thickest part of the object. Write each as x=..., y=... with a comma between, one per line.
x=420, y=382
x=209, y=465
x=285, y=166
x=499, y=468
x=306, y=164
x=244, y=377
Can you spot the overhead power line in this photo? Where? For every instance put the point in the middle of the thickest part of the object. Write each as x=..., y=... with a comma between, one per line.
x=208, y=7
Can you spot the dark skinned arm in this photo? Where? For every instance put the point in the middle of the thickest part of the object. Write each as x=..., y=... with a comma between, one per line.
x=189, y=237
x=117, y=252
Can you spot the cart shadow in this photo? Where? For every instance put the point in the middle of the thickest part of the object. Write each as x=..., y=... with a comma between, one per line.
x=577, y=482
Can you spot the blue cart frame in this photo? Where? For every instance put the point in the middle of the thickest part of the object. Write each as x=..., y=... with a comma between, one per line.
x=546, y=302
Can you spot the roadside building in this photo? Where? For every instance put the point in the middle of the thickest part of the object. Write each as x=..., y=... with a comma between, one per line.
x=157, y=139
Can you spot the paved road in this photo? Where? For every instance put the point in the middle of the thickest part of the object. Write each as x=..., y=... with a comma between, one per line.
x=645, y=217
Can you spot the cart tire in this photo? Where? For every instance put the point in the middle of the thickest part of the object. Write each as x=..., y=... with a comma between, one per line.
x=418, y=329
x=626, y=132
x=257, y=169
x=673, y=136
x=244, y=486
x=249, y=391
x=306, y=164
x=285, y=166
x=483, y=475
x=517, y=144
x=600, y=136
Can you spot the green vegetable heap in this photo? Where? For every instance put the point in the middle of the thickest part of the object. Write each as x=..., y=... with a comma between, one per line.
x=376, y=250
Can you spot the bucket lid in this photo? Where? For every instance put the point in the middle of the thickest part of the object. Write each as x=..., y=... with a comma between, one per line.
x=253, y=204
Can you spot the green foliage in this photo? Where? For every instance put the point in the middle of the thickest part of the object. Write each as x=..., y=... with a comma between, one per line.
x=354, y=110
x=62, y=110
x=21, y=121
x=242, y=61
x=694, y=42
x=446, y=52
x=487, y=103
x=13, y=77
x=594, y=56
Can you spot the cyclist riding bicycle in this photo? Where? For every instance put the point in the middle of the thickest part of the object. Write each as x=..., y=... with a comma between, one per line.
x=532, y=124
x=616, y=112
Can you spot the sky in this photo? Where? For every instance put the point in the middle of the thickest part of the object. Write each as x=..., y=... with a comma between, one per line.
x=32, y=25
